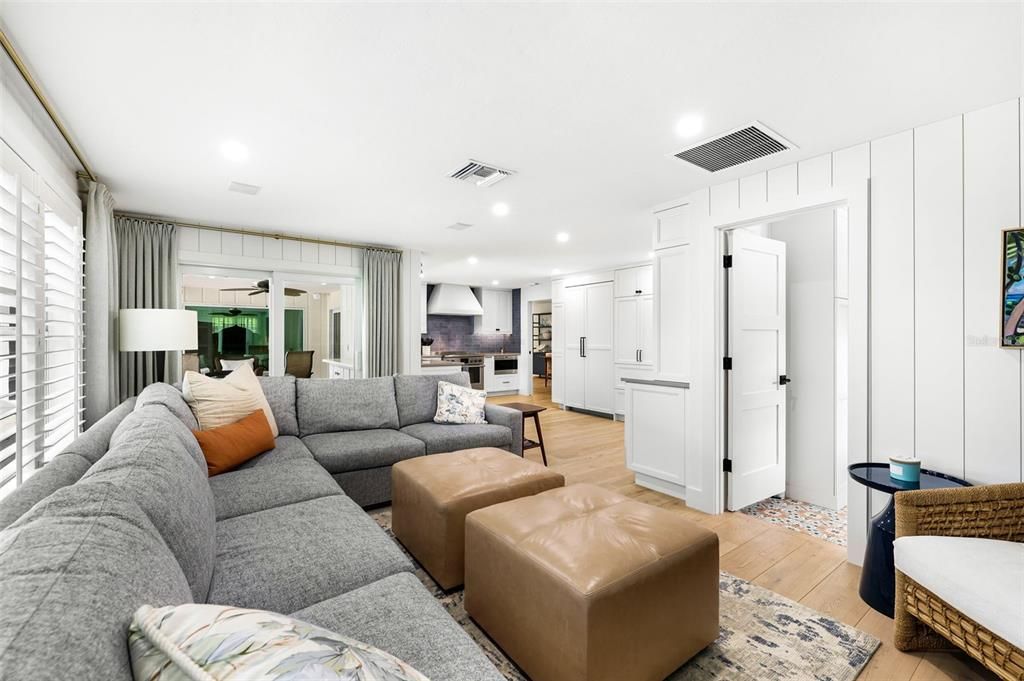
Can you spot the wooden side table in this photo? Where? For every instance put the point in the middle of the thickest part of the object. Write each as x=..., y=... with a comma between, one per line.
x=533, y=410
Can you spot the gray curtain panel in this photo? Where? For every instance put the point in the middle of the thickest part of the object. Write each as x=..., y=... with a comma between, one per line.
x=381, y=281
x=147, y=254
x=102, y=386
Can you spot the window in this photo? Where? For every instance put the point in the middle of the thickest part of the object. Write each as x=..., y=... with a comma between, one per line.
x=41, y=323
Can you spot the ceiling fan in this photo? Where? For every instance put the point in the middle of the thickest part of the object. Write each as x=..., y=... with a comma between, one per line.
x=233, y=312
x=264, y=287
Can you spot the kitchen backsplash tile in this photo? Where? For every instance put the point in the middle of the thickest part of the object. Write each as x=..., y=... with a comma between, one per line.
x=454, y=333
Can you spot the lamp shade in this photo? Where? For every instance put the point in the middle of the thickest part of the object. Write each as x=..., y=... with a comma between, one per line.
x=154, y=330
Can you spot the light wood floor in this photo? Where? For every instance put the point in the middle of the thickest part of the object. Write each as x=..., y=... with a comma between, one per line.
x=801, y=567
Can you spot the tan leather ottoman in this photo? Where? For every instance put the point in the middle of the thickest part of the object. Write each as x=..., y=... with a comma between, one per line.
x=581, y=584
x=431, y=495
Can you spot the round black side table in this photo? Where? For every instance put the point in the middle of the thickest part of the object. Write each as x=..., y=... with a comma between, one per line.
x=878, y=576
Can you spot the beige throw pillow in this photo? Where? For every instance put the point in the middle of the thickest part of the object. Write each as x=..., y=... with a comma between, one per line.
x=217, y=402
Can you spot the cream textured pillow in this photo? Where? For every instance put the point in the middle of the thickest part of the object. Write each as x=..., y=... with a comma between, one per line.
x=458, y=404
x=201, y=642
x=217, y=402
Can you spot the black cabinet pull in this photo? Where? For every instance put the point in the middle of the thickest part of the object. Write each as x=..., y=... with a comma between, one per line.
x=784, y=380
x=640, y=354
x=581, y=347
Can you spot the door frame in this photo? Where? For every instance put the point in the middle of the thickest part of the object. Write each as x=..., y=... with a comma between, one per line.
x=856, y=198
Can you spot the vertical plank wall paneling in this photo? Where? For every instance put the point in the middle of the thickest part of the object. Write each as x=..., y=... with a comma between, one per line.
x=992, y=375
x=892, y=300
x=939, y=295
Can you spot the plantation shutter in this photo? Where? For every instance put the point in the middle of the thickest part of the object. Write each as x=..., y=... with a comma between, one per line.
x=41, y=322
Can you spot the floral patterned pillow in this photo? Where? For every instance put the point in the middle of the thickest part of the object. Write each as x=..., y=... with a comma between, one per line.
x=457, y=404
x=198, y=642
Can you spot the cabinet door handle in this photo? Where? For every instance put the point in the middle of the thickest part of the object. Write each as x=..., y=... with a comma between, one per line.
x=583, y=344
x=637, y=355
x=581, y=347
x=641, y=355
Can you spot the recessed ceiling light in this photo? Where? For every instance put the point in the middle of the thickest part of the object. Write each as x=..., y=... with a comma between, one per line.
x=689, y=125
x=211, y=276
x=323, y=283
x=495, y=282
x=562, y=237
x=472, y=260
x=234, y=150
x=556, y=271
x=500, y=209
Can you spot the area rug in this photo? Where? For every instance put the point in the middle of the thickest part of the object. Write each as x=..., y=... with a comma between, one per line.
x=823, y=523
x=764, y=637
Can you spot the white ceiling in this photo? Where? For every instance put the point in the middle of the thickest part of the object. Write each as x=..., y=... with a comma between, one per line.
x=354, y=113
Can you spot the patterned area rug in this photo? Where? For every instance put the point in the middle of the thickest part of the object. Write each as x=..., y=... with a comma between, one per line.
x=823, y=523
x=763, y=636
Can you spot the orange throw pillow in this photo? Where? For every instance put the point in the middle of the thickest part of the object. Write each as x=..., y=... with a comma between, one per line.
x=230, y=446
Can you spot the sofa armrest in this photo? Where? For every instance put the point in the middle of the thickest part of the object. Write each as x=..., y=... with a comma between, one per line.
x=987, y=511
x=511, y=419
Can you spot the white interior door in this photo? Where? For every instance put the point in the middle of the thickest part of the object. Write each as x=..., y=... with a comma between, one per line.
x=597, y=349
x=575, y=330
x=757, y=393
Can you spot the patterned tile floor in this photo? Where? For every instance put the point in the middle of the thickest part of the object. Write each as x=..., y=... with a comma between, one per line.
x=801, y=516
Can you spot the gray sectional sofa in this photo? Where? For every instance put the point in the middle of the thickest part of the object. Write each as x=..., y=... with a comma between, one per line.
x=126, y=516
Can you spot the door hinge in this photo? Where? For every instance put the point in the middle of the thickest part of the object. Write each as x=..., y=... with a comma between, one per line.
x=727, y=465
x=726, y=261
x=727, y=363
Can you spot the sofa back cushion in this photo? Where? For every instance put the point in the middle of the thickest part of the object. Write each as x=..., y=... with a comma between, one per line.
x=280, y=393
x=72, y=571
x=67, y=467
x=170, y=397
x=330, y=405
x=149, y=462
x=417, y=396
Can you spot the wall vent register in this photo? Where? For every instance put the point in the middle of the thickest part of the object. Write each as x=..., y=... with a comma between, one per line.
x=745, y=144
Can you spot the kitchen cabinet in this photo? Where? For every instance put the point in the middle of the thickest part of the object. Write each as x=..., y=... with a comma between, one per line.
x=634, y=281
x=673, y=226
x=497, y=316
x=674, y=314
x=634, y=331
x=501, y=374
x=588, y=335
x=656, y=436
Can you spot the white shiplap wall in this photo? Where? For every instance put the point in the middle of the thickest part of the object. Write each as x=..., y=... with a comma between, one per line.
x=941, y=194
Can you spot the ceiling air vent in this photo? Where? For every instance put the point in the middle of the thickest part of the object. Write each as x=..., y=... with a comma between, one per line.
x=480, y=174
x=747, y=143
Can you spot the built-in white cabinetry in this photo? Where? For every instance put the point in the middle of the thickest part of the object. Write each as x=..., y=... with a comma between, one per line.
x=588, y=340
x=656, y=435
x=497, y=316
x=501, y=374
x=634, y=281
x=673, y=311
x=673, y=226
x=634, y=331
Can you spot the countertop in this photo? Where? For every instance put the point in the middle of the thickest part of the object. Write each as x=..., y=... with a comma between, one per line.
x=470, y=354
x=655, y=381
x=438, y=362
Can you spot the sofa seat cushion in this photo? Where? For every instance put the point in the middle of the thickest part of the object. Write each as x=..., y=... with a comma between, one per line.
x=287, y=448
x=256, y=489
x=72, y=571
x=398, y=614
x=290, y=557
x=982, y=578
x=445, y=437
x=361, y=449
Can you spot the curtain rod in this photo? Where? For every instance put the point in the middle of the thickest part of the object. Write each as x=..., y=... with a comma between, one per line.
x=253, y=232
x=37, y=91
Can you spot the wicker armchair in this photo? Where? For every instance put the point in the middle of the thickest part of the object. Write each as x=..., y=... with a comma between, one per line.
x=923, y=621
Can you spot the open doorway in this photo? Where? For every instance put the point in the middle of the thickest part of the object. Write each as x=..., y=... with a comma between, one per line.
x=540, y=348
x=787, y=388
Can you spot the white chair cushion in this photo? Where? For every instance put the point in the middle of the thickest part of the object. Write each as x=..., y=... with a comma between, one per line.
x=982, y=578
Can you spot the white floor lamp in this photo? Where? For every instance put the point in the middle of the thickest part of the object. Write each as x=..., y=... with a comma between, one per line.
x=158, y=330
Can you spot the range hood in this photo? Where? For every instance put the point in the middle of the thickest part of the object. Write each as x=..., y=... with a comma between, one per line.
x=453, y=299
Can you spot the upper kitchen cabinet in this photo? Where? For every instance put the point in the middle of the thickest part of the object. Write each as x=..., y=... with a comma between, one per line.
x=673, y=226
x=497, y=316
x=634, y=281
